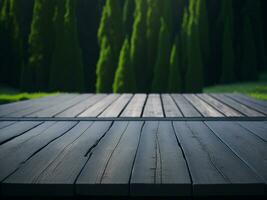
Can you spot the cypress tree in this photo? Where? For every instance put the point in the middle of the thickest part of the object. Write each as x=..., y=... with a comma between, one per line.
x=128, y=17
x=35, y=75
x=228, y=60
x=175, y=75
x=124, y=78
x=11, y=52
x=103, y=69
x=88, y=19
x=67, y=68
x=249, y=52
x=161, y=73
x=110, y=28
x=194, y=74
x=138, y=46
x=152, y=34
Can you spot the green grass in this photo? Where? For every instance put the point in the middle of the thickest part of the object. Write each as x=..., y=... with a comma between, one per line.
x=9, y=95
x=257, y=90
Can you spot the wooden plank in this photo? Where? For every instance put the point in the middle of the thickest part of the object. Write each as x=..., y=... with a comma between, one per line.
x=153, y=107
x=170, y=107
x=214, y=168
x=18, y=150
x=205, y=109
x=117, y=106
x=99, y=107
x=110, y=175
x=246, y=145
x=258, y=128
x=59, y=176
x=255, y=101
x=82, y=106
x=159, y=168
x=250, y=104
x=5, y=124
x=54, y=110
x=226, y=110
x=135, y=107
x=187, y=109
x=21, y=105
x=39, y=106
x=237, y=106
x=16, y=129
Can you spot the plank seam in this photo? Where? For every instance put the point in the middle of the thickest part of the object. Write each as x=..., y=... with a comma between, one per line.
x=192, y=105
x=177, y=105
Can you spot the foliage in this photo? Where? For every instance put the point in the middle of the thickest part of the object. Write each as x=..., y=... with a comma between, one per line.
x=124, y=78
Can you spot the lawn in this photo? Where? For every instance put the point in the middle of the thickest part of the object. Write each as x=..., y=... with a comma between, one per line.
x=257, y=90
x=8, y=95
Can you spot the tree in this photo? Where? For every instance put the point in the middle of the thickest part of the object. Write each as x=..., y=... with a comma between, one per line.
x=11, y=52
x=228, y=60
x=103, y=69
x=88, y=19
x=67, y=68
x=152, y=34
x=138, y=46
x=124, y=78
x=128, y=17
x=35, y=75
x=111, y=29
x=194, y=73
x=175, y=75
x=161, y=73
x=249, y=52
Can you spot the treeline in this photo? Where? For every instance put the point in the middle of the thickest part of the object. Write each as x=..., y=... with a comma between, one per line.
x=130, y=45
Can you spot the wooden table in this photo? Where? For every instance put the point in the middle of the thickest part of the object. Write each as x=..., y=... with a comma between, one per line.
x=134, y=145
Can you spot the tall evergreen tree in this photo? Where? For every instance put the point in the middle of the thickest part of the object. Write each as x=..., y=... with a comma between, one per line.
x=175, y=75
x=228, y=59
x=161, y=73
x=11, y=52
x=67, y=68
x=152, y=34
x=249, y=52
x=110, y=28
x=194, y=74
x=128, y=16
x=35, y=75
x=88, y=19
x=138, y=46
x=124, y=78
x=103, y=69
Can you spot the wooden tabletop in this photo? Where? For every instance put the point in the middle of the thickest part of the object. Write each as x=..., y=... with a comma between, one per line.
x=134, y=145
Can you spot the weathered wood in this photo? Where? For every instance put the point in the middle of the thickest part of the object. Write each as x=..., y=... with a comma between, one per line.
x=237, y=106
x=255, y=101
x=15, y=130
x=245, y=144
x=226, y=110
x=135, y=107
x=5, y=124
x=214, y=168
x=99, y=107
x=250, y=104
x=18, y=150
x=110, y=175
x=205, y=109
x=153, y=107
x=116, y=107
x=59, y=176
x=258, y=128
x=82, y=106
x=170, y=107
x=54, y=110
x=39, y=106
x=187, y=109
x=159, y=168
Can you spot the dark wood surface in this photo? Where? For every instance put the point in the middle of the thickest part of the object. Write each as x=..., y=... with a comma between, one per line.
x=134, y=145
x=137, y=105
